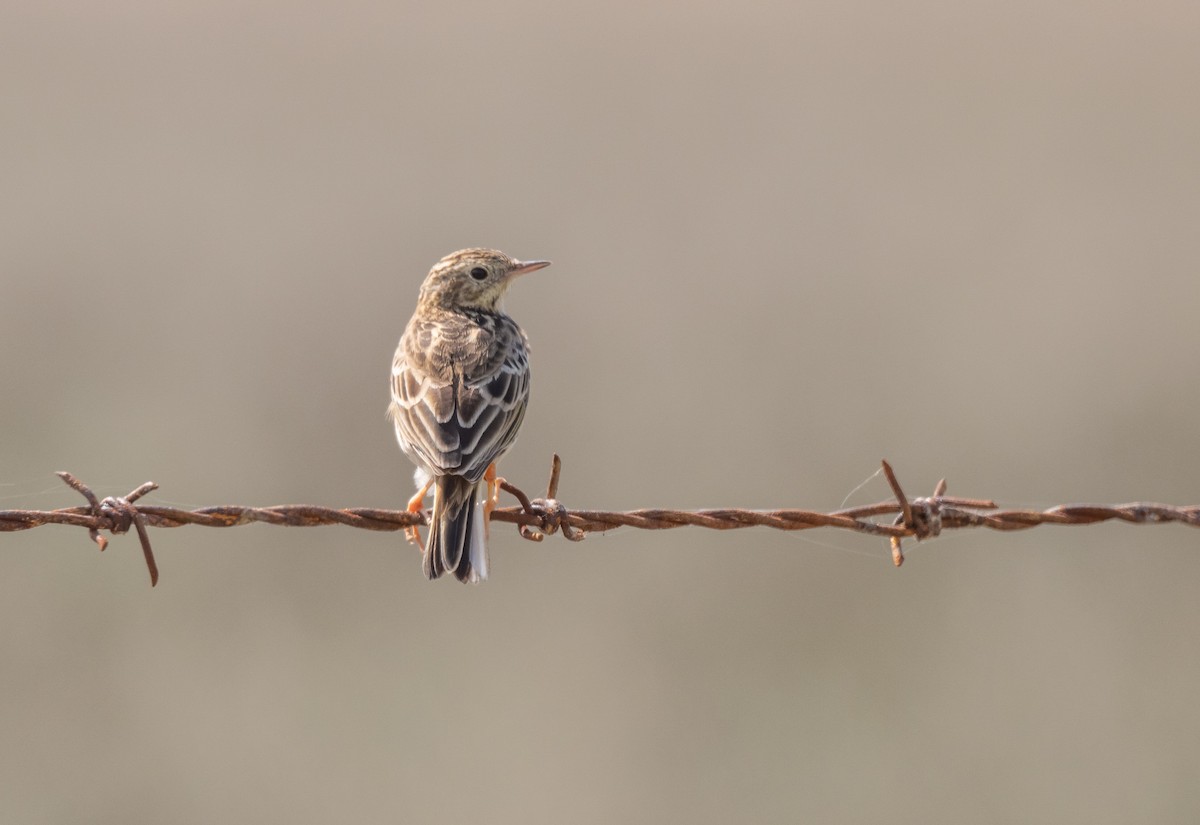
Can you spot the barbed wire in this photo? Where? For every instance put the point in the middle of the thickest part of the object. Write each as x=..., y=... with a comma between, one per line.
x=917, y=518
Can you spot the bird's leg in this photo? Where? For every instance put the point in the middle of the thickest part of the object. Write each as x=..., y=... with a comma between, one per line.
x=416, y=504
x=493, y=494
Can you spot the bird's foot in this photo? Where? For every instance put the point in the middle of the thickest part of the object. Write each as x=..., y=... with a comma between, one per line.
x=416, y=505
x=493, y=493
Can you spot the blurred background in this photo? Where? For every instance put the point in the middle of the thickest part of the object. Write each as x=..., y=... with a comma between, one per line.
x=789, y=239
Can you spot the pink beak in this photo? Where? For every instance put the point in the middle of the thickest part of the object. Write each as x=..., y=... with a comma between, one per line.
x=528, y=266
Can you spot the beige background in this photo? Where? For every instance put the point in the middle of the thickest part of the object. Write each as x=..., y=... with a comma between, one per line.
x=788, y=240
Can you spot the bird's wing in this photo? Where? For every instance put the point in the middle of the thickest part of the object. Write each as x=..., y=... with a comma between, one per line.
x=457, y=414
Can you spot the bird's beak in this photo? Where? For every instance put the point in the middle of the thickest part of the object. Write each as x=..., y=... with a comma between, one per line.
x=527, y=266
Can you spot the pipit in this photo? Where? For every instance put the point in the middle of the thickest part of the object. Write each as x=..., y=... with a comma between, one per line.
x=460, y=383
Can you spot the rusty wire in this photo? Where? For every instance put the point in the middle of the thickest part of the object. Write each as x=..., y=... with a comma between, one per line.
x=918, y=518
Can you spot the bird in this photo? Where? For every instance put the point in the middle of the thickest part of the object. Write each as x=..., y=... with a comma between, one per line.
x=459, y=389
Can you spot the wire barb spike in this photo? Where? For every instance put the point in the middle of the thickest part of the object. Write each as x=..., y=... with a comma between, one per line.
x=116, y=514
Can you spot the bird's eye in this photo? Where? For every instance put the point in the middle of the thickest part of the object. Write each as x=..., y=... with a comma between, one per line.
x=479, y=273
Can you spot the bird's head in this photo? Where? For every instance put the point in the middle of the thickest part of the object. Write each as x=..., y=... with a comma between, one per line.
x=473, y=279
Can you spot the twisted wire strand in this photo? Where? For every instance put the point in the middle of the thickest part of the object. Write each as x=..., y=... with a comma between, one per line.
x=918, y=518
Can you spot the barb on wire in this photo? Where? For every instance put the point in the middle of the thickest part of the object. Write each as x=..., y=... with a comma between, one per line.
x=550, y=514
x=115, y=514
x=917, y=518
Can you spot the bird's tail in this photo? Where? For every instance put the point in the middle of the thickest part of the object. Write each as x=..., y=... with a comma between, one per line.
x=457, y=539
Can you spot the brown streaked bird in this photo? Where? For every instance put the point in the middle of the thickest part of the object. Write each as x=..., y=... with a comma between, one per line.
x=460, y=383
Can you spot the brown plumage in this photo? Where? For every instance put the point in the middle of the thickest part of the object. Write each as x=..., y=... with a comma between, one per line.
x=460, y=383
